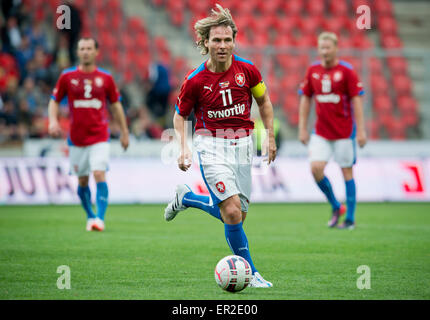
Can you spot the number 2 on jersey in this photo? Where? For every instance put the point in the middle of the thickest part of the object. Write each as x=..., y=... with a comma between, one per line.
x=87, y=89
x=224, y=100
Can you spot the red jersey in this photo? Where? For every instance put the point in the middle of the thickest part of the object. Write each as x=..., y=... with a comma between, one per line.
x=87, y=93
x=220, y=100
x=333, y=89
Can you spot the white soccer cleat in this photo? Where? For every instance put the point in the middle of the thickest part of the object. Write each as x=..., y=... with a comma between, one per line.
x=175, y=206
x=259, y=282
x=90, y=223
x=98, y=224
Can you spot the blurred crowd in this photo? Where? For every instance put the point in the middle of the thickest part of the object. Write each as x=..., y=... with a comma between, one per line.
x=32, y=56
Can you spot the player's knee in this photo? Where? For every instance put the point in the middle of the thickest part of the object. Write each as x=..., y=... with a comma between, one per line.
x=99, y=176
x=231, y=212
x=317, y=171
x=83, y=181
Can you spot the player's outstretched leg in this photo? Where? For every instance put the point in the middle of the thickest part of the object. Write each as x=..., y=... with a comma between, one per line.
x=184, y=198
x=236, y=238
x=175, y=206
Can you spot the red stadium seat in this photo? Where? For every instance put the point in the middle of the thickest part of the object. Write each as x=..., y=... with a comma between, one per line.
x=396, y=129
x=310, y=25
x=338, y=8
x=246, y=23
x=291, y=82
x=260, y=39
x=334, y=24
x=378, y=83
x=269, y=7
x=382, y=104
x=345, y=42
x=375, y=65
x=391, y=42
x=286, y=25
x=397, y=65
x=356, y=3
x=387, y=25
x=402, y=84
x=285, y=60
x=177, y=18
x=383, y=7
x=315, y=7
x=283, y=40
x=134, y=24
x=373, y=129
x=293, y=7
x=242, y=40
x=407, y=104
x=361, y=41
x=306, y=41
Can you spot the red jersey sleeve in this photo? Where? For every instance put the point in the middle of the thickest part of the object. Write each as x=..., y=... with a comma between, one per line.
x=186, y=99
x=60, y=90
x=355, y=87
x=306, y=86
x=112, y=91
x=255, y=76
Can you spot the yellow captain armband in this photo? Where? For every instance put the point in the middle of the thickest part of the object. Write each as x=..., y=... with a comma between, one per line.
x=259, y=89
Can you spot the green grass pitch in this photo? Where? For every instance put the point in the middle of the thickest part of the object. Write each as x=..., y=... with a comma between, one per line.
x=140, y=256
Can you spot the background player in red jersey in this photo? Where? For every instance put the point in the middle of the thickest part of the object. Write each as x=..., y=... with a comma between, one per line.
x=339, y=124
x=87, y=88
x=220, y=93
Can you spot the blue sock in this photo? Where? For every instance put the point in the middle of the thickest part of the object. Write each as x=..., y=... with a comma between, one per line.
x=202, y=202
x=102, y=199
x=84, y=194
x=350, y=199
x=238, y=242
x=326, y=188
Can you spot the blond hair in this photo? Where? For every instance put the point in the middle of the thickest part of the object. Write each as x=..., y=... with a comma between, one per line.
x=328, y=36
x=222, y=17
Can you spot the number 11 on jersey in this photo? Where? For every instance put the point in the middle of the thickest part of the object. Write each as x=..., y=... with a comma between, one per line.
x=224, y=100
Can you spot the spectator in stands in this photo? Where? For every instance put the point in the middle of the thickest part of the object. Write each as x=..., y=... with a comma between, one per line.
x=37, y=35
x=11, y=35
x=158, y=94
x=38, y=66
x=62, y=58
x=23, y=55
x=24, y=119
x=142, y=126
x=74, y=32
x=32, y=94
x=8, y=121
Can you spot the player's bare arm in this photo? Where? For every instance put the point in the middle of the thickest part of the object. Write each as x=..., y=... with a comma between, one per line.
x=184, y=160
x=54, y=128
x=304, y=109
x=266, y=113
x=357, y=103
x=119, y=116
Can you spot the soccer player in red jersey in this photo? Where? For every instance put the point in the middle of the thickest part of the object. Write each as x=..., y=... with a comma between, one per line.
x=339, y=125
x=88, y=88
x=220, y=93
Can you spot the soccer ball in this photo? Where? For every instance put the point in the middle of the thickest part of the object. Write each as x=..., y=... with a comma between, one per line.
x=233, y=273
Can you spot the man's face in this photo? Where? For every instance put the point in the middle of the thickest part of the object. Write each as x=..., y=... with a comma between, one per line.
x=327, y=50
x=87, y=51
x=220, y=43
